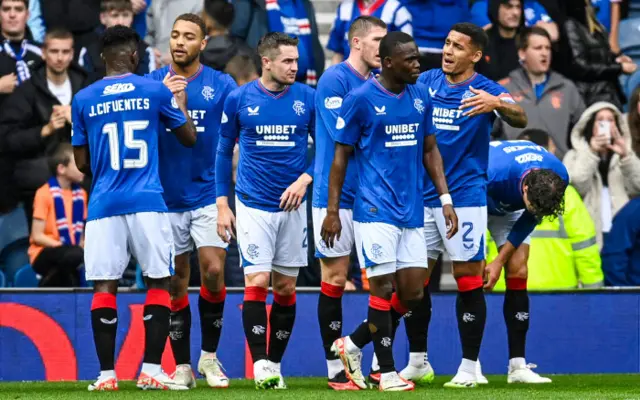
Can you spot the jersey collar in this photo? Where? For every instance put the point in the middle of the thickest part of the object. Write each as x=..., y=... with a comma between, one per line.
x=267, y=92
x=371, y=9
x=397, y=96
x=118, y=76
x=465, y=82
x=192, y=77
x=355, y=71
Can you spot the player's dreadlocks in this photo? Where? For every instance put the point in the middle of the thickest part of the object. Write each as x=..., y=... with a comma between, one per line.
x=545, y=193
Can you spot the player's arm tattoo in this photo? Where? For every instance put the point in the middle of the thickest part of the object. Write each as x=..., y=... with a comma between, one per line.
x=81, y=156
x=336, y=176
x=432, y=160
x=512, y=114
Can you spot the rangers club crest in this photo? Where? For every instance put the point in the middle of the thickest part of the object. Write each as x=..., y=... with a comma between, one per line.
x=419, y=105
x=298, y=107
x=207, y=93
x=467, y=94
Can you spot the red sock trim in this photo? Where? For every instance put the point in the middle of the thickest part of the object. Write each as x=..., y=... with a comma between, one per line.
x=285, y=301
x=469, y=283
x=331, y=290
x=426, y=282
x=255, y=293
x=397, y=305
x=158, y=297
x=103, y=300
x=212, y=297
x=180, y=303
x=516, y=284
x=378, y=303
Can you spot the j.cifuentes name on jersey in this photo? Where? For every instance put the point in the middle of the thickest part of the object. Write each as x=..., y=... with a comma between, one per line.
x=120, y=105
x=276, y=135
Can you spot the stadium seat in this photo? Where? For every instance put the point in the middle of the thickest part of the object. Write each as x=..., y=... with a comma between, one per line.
x=3, y=280
x=25, y=277
x=13, y=227
x=13, y=257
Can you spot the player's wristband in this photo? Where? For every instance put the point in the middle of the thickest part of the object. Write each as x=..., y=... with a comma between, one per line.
x=446, y=199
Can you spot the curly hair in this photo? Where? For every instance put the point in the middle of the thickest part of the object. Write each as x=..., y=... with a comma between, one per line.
x=545, y=192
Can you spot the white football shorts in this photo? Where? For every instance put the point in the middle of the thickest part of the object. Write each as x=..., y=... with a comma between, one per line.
x=272, y=241
x=383, y=248
x=501, y=225
x=199, y=227
x=341, y=247
x=467, y=244
x=110, y=242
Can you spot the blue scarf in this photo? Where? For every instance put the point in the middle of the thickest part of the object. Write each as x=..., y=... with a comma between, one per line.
x=61, y=217
x=21, y=66
x=275, y=15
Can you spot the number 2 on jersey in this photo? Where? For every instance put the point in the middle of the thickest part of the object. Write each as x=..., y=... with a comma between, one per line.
x=130, y=142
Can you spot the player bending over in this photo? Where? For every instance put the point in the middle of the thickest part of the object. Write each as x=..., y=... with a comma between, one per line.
x=188, y=179
x=388, y=122
x=526, y=184
x=115, y=136
x=272, y=117
x=365, y=34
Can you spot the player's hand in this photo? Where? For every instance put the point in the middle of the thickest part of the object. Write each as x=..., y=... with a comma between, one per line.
x=331, y=229
x=624, y=59
x=492, y=274
x=451, y=220
x=175, y=83
x=138, y=6
x=292, y=197
x=226, y=224
x=8, y=83
x=181, y=99
x=481, y=103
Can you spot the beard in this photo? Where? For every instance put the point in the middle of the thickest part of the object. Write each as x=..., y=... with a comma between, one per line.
x=188, y=61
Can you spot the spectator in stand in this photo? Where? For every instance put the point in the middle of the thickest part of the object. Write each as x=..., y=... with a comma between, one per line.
x=551, y=101
x=221, y=46
x=59, y=213
x=80, y=17
x=161, y=15
x=431, y=21
x=591, y=64
x=602, y=166
x=621, y=251
x=563, y=252
x=535, y=14
x=256, y=18
x=501, y=55
x=17, y=54
x=140, y=8
x=633, y=118
x=36, y=22
x=392, y=12
x=36, y=118
x=112, y=13
x=242, y=68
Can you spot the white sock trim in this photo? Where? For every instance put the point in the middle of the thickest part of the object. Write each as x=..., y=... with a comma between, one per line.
x=350, y=347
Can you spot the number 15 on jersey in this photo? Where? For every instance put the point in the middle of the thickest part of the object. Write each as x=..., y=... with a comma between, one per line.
x=129, y=128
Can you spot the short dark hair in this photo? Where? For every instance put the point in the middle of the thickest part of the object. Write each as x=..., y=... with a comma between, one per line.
x=272, y=41
x=363, y=24
x=221, y=11
x=522, y=40
x=241, y=67
x=478, y=36
x=26, y=2
x=61, y=156
x=195, y=19
x=391, y=41
x=545, y=192
x=120, y=36
x=57, y=33
x=116, y=5
x=537, y=136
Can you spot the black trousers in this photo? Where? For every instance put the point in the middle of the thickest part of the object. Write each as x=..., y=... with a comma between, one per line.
x=59, y=266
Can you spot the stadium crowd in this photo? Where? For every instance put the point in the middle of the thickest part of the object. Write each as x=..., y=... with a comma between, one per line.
x=572, y=66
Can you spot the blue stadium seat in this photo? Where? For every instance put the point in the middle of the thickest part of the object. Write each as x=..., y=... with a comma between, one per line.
x=13, y=227
x=25, y=277
x=13, y=257
x=3, y=280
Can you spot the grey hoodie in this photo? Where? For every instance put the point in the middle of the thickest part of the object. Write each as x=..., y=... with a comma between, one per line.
x=557, y=110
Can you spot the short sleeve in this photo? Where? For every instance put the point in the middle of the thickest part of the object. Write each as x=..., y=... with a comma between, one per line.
x=429, y=129
x=78, y=129
x=42, y=203
x=330, y=95
x=350, y=121
x=170, y=114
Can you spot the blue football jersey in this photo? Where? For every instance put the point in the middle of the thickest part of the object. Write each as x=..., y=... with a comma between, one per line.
x=188, y=174
x=463, y=141
x=509, y=162
x=119, y=118
x=333, y=86
x=273, y=131
x=387, y=132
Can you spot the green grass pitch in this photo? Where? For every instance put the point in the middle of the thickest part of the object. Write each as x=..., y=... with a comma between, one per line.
x=563, y=387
